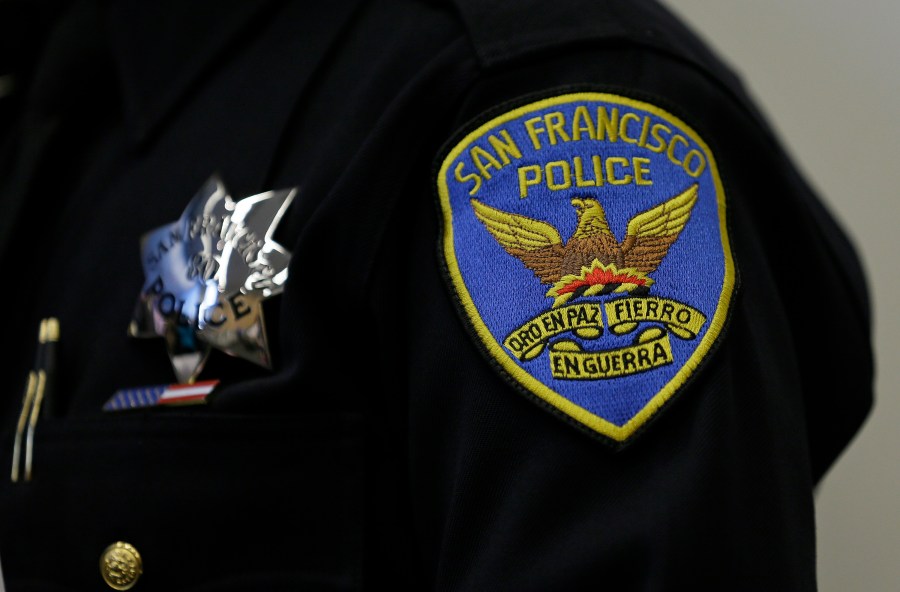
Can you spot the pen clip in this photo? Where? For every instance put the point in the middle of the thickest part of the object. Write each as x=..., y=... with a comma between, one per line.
x=27, y=400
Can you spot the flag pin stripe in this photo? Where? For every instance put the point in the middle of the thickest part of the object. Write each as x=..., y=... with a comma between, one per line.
x=165, y=394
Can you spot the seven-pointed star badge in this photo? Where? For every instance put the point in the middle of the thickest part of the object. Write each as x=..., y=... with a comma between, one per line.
x=207, y=275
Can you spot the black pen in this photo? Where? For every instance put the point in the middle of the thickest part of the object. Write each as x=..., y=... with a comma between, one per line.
x=48, y=365
x=46, y=371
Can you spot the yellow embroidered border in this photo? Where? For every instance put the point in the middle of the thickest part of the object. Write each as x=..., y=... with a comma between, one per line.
x=618, y=433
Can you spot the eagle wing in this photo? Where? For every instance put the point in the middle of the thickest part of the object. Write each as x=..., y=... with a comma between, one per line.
x=535, y=243
x=650, y=233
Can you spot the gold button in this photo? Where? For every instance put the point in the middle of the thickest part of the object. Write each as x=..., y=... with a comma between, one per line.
x=120, y=566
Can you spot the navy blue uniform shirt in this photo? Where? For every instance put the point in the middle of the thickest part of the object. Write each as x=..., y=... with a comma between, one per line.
x=396, y=443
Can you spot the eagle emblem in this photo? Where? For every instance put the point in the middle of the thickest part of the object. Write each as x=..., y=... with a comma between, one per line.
x=592, y=261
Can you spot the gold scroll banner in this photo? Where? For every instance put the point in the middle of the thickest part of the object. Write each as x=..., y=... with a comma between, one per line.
x=528, y=341
x=651, y=349
x=624, y=314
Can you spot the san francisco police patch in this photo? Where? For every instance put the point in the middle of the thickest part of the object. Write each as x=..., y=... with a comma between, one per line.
x=585, y=238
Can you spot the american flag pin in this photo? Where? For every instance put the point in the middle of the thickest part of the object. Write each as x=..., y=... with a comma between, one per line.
x=162, y=394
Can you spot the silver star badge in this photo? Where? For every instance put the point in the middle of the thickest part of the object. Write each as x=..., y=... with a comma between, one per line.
x=207, y=275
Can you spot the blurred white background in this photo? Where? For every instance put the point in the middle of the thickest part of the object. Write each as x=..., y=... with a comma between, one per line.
x=827, y=74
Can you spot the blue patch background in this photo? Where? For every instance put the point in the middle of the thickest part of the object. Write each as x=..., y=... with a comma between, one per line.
x=507, y=294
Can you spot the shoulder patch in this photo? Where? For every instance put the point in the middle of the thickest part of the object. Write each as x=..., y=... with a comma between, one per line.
x=585, y=238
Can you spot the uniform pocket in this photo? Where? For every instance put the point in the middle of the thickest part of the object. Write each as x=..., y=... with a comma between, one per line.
x=210, y=501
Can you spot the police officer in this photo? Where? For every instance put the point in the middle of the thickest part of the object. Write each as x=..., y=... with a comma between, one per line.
x=424, y=294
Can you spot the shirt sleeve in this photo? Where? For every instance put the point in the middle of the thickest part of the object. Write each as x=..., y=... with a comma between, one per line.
x=514, y=485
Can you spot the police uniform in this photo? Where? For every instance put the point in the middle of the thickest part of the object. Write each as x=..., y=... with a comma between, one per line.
x=412, y=429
